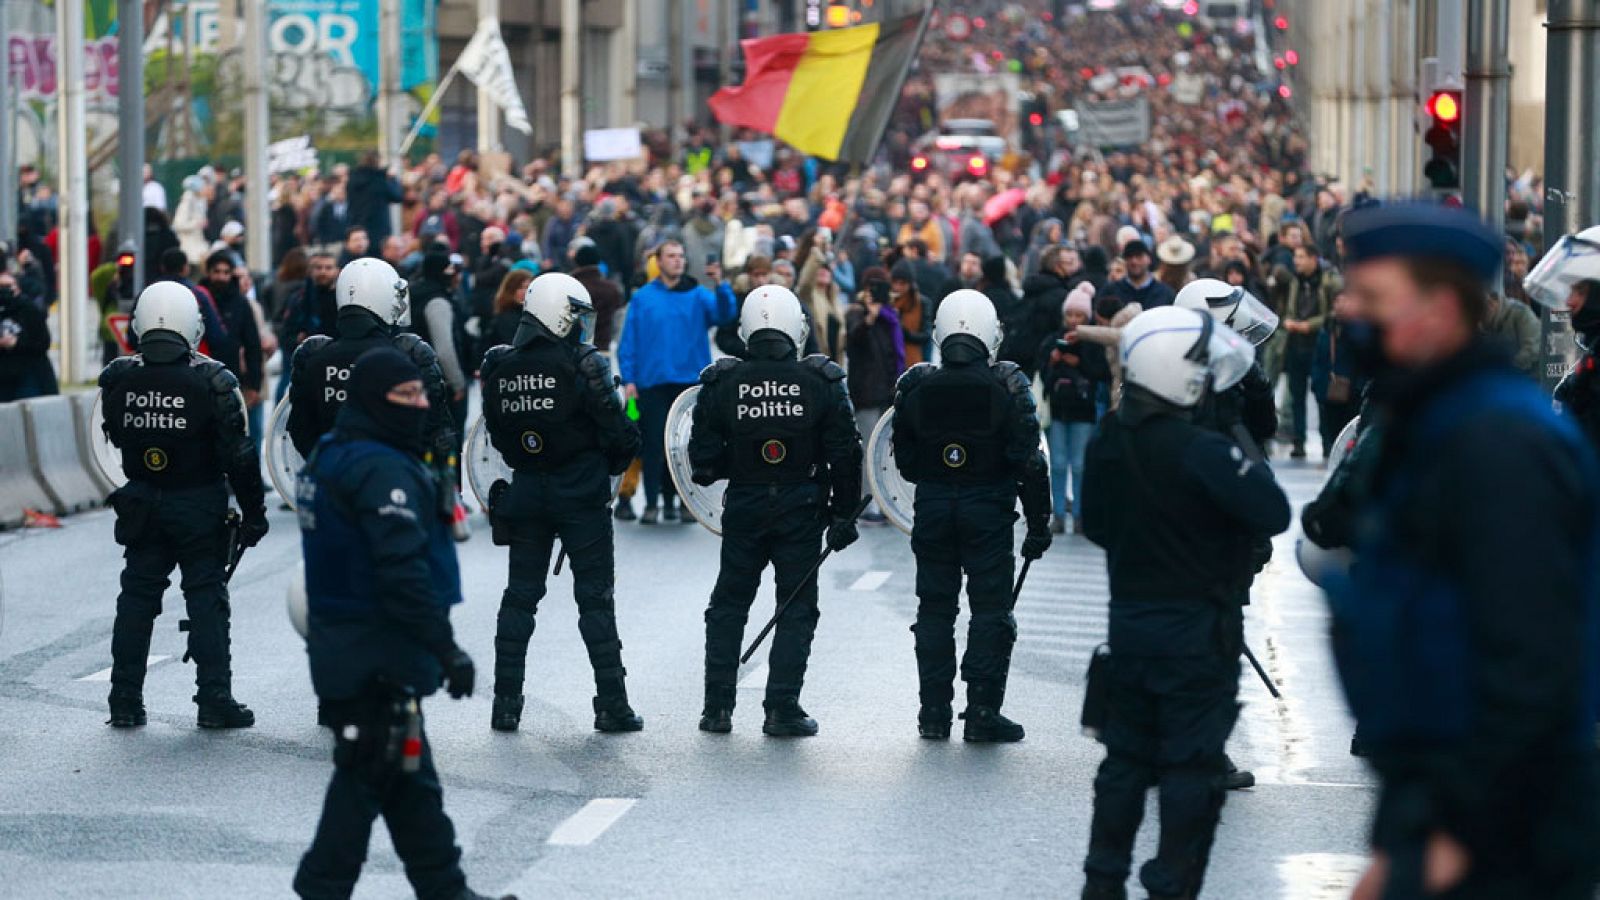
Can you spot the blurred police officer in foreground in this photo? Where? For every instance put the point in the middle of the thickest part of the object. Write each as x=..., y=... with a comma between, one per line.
x=1178, y=509
x=179, y=420
x=1466, y=633
x=552, y=409
x=1245, y=413
x=1568, y=277
x=381, y=576
x=967, y=435
x=782, y=432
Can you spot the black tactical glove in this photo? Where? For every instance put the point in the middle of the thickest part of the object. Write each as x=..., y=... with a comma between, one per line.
x=841, y=534
x=459, y=673
x=1037, y=541
x=253, y=528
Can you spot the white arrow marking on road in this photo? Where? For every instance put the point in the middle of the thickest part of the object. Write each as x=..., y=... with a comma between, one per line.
x=105, y=674
x=587, y=824
x=870, y=581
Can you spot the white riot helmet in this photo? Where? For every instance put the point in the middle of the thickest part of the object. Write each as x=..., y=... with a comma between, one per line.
x=1573, y=260
x=559, y=302
x=968, y=312
x=375, y=286
x=169, y=306
x=1234, y=307
x=1178, y=354
x=772, y=307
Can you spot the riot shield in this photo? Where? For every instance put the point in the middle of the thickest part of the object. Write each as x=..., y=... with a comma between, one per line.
x=296, y=604
x=284, y=462
x=897, y=497
x=485, y=465
x=107, y=458
x=1319, y=562
x=704, y=503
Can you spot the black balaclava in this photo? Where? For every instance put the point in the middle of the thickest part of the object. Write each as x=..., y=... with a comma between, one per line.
x=963, y=350
x=356, y=321
x=770, y=344
x=1586, y=321
x=376, y=373
x=160, y=345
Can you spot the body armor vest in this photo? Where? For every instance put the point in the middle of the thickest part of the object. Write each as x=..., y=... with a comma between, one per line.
x=959, y=414
x=776, y=411
x=537, y=394
x=163, y=419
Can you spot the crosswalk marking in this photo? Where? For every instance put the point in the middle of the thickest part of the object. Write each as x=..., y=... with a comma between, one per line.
x=586, y=825
x=870, y=581
x=105, y=674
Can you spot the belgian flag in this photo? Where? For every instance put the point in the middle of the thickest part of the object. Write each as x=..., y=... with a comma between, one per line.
x=825, y=93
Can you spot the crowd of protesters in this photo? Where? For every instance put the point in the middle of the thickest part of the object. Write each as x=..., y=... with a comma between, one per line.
x=1059, y=236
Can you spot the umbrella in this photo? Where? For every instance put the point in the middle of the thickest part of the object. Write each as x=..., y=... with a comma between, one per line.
x=1002, y=204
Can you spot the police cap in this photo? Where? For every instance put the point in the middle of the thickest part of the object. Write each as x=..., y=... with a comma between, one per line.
x=1419, y=230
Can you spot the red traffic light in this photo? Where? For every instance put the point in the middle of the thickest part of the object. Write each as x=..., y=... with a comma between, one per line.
x=919, y=163
x=1281, y=23
x=1292, y=57
x=125, y=260
x=977, y=165
x=1445, y=106
x=1285, y=91
x=1035, y=119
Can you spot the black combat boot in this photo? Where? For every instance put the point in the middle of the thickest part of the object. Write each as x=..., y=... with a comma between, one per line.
x=717, y=717
x=984, y=724
x=612, y=714
x=933, y=722
x=127, y=709
x=670, y=514
x=218, y=709
x=507, y=712
x=1237, y=779
x=785, y=718
x=1104, y=890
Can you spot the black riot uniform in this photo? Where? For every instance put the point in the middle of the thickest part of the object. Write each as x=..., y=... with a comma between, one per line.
x=319, y=380
x=782, y=432
x=552, y=410
x=1178, y=509
x=1579, y=390
x=179, y=421
x=967, y=435
x=381, y=576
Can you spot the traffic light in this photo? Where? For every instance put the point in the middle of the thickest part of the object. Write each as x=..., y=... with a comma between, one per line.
x=125, y=263
x=1443, y=137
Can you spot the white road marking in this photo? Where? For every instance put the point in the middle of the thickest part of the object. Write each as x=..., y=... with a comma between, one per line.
x=105, y=674
x=756, y=677
x=586, y=825
x=870, y=581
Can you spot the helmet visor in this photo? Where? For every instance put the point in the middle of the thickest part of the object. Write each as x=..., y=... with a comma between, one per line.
x=1246, y=315
x=1569, y=263
x=1229, y=357
x=583, y=319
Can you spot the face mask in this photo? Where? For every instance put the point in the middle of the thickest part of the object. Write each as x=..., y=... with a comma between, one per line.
x=1364, y=341
x=1587, y=319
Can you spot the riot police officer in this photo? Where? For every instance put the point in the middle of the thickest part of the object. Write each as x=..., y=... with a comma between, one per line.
x=966, y=433
x=782, y=432
x=1244, y=413
x=1465, y=635
x=1568, y=277
x=552, y=410
x=381, y=576
x=179, y=420
x=1178, y=509
x=373, y=301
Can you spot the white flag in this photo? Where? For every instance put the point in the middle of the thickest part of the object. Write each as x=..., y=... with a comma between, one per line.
x=487, y=62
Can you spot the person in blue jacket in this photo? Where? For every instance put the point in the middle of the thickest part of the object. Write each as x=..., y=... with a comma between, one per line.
x=664, y=347
x=381, y=576
x=1466, y=633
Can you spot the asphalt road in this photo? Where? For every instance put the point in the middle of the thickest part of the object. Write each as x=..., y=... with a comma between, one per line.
x=866, y=809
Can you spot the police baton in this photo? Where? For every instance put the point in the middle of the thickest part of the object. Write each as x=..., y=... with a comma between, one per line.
x=1253, y=450
x=1261, y=671
x=235, y=547
x=1022, y=576
x=772, y=623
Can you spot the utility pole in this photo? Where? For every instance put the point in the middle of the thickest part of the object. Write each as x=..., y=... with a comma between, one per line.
x=629, y=36
x=572, y=88
x=388, y=80
x=258, y=236
x=1486, y=120
x=8, y=139
x=130, y=133
x=72, y=281
x=674, y=72
x=488, y=111
x=1572, y=124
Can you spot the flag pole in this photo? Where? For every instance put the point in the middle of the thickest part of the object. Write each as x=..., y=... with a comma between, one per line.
x=433, y=104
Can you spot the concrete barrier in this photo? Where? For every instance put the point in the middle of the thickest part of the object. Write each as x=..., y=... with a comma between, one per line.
x=83, y=409
x=53, y=455
x=19, y=488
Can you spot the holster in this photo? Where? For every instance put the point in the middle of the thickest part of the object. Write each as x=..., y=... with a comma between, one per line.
x=1097, y=692
x=135, y=516
x=499, y=529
